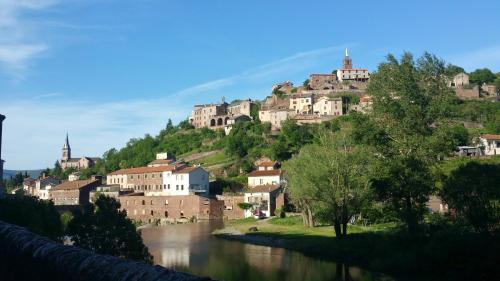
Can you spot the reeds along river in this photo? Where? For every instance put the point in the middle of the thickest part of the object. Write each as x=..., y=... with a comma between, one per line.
x=191, y=248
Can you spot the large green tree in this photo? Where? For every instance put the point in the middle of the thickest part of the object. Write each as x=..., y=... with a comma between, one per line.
x=473, y=190
x=410, y=109
x=328, y=180
x=104, y=229
x=481, y=76
x=38, y=216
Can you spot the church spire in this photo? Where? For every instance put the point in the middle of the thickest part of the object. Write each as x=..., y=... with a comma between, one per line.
x=66, y=150
x=66, y=143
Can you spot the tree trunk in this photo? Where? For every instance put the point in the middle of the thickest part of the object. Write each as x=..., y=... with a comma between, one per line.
x=344, y=229
x=337, y=229
x=310, y=217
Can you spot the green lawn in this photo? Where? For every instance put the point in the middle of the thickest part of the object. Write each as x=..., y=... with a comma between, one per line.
x=443, y=255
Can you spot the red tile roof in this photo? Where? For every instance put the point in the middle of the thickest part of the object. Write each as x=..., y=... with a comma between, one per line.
x=71, y=185
x=267, y=164
x=143, y=170
x=265, y=173
x=490, y=137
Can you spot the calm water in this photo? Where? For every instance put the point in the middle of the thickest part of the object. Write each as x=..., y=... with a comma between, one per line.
x=191, y=248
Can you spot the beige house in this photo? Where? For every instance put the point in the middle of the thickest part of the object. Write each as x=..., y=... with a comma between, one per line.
x=328, y=106
x=276, y=116
x=265, y=177
x=302, y=103
x=459, y=80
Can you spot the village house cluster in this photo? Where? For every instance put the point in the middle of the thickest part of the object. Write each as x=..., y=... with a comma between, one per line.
x=165, y=190
x=318, y=101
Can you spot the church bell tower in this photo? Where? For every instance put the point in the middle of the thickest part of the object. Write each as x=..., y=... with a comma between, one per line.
x=66, y=150
x=347, y=62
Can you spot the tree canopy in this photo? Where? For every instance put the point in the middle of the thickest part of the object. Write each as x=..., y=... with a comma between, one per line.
x=104, y=229
x=481, y=76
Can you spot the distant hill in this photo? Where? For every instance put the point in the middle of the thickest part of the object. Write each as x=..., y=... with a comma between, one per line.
x=32, y=173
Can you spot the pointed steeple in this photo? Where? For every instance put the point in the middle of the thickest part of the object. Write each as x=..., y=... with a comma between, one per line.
x=346, y=54
x=66, y=143
x=66, y=150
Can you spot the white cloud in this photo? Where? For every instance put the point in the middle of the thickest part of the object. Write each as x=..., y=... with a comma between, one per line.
x=34, y=130
x=19, y=42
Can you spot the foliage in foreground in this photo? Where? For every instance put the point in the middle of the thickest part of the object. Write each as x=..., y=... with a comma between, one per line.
x=38, y=216
x=104, y=229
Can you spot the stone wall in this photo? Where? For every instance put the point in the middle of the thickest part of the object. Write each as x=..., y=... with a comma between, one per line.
x=27, y=256
x=170, y=208
x=231, y=209
x=465, y=93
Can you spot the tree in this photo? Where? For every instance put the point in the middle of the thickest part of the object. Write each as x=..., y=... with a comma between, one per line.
x=104, y=229
x=306, y=84
x=481, y=76
x=497, y=84
x=411, y=104
x=452, y=70
x=38, y=216
x=473, y=190
x=328, y=180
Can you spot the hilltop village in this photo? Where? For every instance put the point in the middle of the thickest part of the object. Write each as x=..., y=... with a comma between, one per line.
x=169, y=190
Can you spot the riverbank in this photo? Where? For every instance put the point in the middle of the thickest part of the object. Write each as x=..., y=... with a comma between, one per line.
x=444, y=255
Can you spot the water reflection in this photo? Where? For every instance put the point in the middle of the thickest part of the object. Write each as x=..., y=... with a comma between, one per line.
x=191, y=248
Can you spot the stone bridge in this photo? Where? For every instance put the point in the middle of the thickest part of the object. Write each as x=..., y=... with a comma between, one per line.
x=27, y=256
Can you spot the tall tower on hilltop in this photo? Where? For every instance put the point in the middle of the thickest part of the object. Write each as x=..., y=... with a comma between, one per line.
x=347, y=62
x=66, y=150
x=1, y=161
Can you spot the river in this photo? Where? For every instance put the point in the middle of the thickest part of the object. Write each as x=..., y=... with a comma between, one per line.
x=191, y=248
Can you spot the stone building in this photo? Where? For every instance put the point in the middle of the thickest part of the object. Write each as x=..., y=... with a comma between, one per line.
x=74, y=192
x=232, y=209
x=217, y=116
x=78, y=163
x=348, y=73
x=323, y=81
x=2, y=117
x=461, y=79
x=170, y=208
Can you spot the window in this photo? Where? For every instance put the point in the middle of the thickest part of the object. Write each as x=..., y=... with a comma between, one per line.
x=166, y=201
x=145, y=176
x=177, y=187
x=168, y=186
x=151, y=202
x=143, y=202
x=182, y=187
x=152, y=212
x=182, y=214
x=166, y=214
x=164, y=186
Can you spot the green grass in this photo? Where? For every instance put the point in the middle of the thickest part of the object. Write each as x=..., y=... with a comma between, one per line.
x=218, y=158
x=444, y=255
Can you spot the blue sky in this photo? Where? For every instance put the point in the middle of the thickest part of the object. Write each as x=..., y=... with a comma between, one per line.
x=106, y=71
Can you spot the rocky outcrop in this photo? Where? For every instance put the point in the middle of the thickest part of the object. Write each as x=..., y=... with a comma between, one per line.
x=27, y=256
